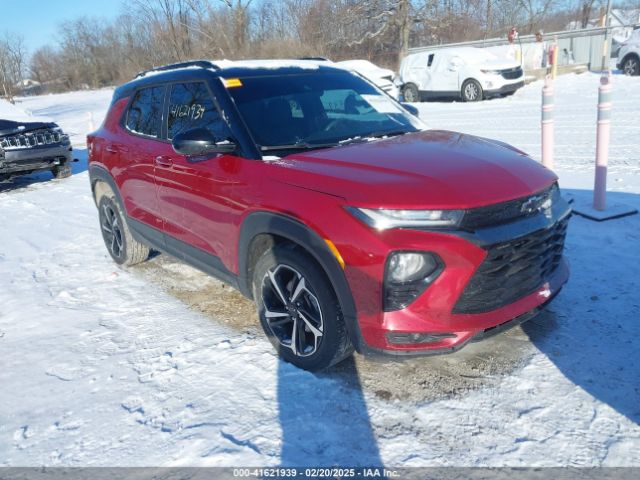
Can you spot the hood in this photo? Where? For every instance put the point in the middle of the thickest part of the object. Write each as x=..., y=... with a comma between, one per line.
x=12, y=127
x=429, y=169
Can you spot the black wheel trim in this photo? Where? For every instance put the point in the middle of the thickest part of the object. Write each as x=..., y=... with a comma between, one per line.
x=111, y=230
x=291, y=310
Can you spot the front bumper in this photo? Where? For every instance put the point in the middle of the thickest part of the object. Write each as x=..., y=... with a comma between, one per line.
x=27, y=160
x=508, y=88
x=548, y=291
x=434, y=311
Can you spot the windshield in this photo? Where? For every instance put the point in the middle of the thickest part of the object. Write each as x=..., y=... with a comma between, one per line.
x=311, y=110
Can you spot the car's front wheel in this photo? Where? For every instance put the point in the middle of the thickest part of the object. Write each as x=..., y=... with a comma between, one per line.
x=471, y=91
x=62, y=171
x=298, y=309
x=631, y=66
x=411, y=93
x=123, y=248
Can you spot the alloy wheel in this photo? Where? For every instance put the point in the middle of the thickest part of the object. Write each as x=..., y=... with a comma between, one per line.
x=471, y=91
x=291, y=310
x=111, y=230
x=631, y=66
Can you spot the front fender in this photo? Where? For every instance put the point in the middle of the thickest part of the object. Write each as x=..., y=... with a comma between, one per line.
x=287, y=227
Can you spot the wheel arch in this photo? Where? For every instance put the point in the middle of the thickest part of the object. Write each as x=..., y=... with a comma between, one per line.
x=98, y=174
x=261, y=230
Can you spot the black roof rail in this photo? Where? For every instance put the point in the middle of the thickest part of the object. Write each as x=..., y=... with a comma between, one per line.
x=174, y=66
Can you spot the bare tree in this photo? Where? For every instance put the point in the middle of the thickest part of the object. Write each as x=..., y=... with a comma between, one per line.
x=95, y=52
x=12, y=63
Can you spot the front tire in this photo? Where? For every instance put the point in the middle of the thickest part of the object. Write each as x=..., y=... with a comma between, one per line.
x=631, y=66
x=123, y=248
x=411, y=93
x=61, y=171
x=471, y=91
x=298, y=309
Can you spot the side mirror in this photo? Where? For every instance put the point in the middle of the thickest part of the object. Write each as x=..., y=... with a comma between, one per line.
x=411, y=109
x=200, y=141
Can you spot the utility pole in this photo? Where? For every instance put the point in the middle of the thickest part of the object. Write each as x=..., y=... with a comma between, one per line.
x=487, y=28
x=607, y=40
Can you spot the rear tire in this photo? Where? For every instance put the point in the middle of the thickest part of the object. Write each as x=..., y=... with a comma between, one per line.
x=631, y=66
x=411, y=93
x=123, y=248
x=298, y=309
x=471, y=91
x=62, y=171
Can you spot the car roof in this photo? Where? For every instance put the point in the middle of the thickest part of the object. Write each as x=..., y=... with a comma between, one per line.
x=224, y=69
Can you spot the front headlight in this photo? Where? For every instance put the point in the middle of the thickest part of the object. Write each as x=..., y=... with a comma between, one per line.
x=491, y=72
x=384, y=219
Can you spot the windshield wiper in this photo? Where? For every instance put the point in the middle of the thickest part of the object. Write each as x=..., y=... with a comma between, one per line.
x=312, y=146
x=390, y=133
x=366, y=137
x=296, y=146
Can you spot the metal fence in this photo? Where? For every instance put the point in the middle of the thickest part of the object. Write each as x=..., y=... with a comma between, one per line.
x=581, y=47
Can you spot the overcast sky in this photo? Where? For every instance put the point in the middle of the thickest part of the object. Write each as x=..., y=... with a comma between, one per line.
x=37, y=20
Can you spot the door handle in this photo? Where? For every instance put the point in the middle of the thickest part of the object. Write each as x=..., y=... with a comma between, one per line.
x=111, y=149
x=163, y=161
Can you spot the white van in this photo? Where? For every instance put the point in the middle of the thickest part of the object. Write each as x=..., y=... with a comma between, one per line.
x=465, y=72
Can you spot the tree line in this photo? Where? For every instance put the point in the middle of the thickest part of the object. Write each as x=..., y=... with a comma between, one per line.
x=95, y=52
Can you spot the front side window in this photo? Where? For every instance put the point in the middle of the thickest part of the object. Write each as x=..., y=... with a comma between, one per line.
x=191, y=106
x=317, y=109
x=145, y=112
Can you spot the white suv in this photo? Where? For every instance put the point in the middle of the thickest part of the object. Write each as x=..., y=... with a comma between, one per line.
x=629, y=54
x=465, y=72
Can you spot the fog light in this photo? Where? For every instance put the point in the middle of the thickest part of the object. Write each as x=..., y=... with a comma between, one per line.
x=416, y=338
x=409, y=267
x=407, y=275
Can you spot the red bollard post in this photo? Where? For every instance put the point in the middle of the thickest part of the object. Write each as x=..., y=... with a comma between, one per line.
x=547, y=123
x=602, y=142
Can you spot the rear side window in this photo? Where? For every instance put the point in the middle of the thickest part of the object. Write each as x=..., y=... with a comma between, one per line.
x=145, y=112
x=191, y=106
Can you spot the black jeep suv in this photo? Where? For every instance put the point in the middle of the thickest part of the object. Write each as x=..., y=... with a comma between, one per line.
x=27, y=147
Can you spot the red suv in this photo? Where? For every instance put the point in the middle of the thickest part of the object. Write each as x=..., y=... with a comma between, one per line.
x=317, y=195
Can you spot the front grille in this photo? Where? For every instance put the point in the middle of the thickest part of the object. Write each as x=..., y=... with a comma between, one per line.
x=510, y=211
x=35, y=138
x=513, y=270
x=511, y=73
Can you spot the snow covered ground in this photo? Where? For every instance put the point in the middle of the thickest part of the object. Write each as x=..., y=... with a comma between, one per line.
x=160, y=365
